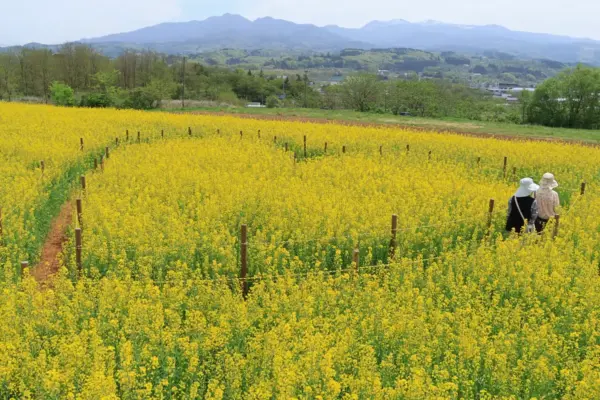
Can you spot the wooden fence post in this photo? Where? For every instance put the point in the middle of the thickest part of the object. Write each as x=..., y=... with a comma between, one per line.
x=429, y=155
x=504, y=168
x=81, y=144
x=491, y=212
x=95, y=163
x=116, y=141
x=380, y=150
x=286, y=147
x=189, y=131
x=244, y=260
x=356, y=259
x=162, y=133
x=514, y=172
x=325, y=148
x=393, y=243
x=407, y=148
x=42, y=166
x=139, y=137
x=79, y=205
x=127, y=135
x=102, y=163
x=82, y=180
x=556, y=226
x=478, y=161
x=24, y=266
x=582, y=188
x=107, y=152
x=78, y=247
x=241, y=134
x=304, y=146
x=259, y=133
x=274, y=139
x=344, y=149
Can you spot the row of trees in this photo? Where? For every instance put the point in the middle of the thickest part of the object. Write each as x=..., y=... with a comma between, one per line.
x=424, y=98
x=137, y=79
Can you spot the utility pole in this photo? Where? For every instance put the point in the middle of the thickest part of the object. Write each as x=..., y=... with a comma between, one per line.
x=305, y=87
x=183, y=84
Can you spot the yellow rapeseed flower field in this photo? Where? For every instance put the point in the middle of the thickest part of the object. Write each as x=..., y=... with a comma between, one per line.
x=461, y=310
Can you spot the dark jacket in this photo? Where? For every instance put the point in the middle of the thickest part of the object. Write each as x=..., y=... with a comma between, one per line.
x=528, y=208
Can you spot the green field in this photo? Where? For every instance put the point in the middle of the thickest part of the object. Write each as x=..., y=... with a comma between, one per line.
x=457, y=125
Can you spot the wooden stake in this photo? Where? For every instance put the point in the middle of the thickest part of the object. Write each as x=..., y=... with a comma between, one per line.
x=241, y=134
x=304, y=146
x=244, y=260
x=81, y=144
x=78, y=247
x=380, y=150
x=429, y=156
x=218, y=131
x=189, y=131
x=325, y=148
x=79, y=205
x=491, y=212
x=82, y=180
x=393, y=243
x=127, y=135
x=42, y=166
x=286, y=147
x=504, y=168
x=162, y=133
x=514, y=172
x=356, y=259
x=274, y=139
x=556, y=226
x=139, y=137
x=582, y=188
x=107, y=153
x=116, y=141
x=95, y=163
x=478, y=161
x=24, y=266
x=344, y=149
x=259, y=133
x=407, y=148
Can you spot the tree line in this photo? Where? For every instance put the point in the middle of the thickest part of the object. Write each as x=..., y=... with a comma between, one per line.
x=78, y=75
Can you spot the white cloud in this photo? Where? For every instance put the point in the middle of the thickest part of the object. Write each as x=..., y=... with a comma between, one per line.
x=58, y=21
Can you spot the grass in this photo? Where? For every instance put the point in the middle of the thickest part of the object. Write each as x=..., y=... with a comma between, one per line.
x=458, y=125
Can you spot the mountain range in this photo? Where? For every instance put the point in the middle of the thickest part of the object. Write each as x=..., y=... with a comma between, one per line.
x=234, y=31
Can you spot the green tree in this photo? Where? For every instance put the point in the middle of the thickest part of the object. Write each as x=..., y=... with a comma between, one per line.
x=360, y=92
x=62, y=94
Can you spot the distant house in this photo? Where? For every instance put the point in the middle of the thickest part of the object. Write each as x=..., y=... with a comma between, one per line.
x=507, y=86
x=255, y=105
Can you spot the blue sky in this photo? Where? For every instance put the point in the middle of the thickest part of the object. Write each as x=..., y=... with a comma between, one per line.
x=57, y=21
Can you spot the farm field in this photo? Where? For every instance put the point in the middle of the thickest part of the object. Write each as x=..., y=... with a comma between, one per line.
x=335, y=302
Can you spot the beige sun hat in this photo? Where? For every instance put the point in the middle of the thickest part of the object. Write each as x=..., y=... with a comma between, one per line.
x=548, y=181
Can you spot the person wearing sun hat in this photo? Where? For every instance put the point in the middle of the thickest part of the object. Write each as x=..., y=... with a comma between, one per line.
x=547, y=201
x=522, y=208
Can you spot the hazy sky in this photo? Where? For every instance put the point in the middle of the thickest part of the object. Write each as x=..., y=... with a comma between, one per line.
x=57, y=21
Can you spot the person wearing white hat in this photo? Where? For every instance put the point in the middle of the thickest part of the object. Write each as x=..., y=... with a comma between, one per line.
x=547, y=201
x=522, y=208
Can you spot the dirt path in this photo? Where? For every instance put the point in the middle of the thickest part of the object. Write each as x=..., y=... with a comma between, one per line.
x=49, y=263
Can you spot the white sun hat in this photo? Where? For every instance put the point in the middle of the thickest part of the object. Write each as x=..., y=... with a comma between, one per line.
x=527, y=187
x=548, y=181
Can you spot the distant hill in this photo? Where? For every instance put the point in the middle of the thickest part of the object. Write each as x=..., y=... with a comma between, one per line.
x=228, y=31
x=234, y=31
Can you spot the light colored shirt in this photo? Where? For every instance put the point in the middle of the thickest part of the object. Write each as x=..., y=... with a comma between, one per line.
x=547, y=201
